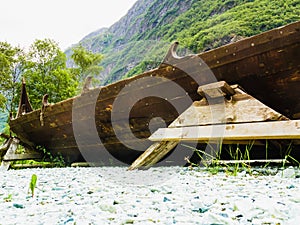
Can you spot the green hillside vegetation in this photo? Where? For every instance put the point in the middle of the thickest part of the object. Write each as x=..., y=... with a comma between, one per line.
x=206, y=24
x=219, y=21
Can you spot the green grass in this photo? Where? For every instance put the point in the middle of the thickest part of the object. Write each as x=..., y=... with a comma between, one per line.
x=212, y=161
x=32, y=184
x=48, y=161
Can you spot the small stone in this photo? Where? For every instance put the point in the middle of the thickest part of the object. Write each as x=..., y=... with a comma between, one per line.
x=18, y=206
x=242, y=174
x=291, y=186
x=255, y=173
x=166, y=199
x=224, y=215
x=129, y=221
x=201, y=210
x=287, y=173
x=69, y=220
x=107, y=208
x=116, y=202
x=154, y=190
x=57, y=189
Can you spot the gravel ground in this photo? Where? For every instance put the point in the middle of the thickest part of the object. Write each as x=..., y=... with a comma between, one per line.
x=158, y=196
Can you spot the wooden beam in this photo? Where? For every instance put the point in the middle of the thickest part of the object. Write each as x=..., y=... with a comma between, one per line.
x=242, y=108
x=87, y=84
x=216, y=90
x=25, y=156
x=195, y=124
x=245, y=131
x=82, y=164
x=35, y=165
x=153, y=154
x=253, y=161
x=12, y=147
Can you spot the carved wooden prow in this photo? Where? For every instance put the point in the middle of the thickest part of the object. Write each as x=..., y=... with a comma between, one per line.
x=24, y=104
x=172, y=59
x=45, y=103
x=87, y=84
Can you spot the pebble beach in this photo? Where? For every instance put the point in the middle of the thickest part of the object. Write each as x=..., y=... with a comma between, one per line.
x=176, y=195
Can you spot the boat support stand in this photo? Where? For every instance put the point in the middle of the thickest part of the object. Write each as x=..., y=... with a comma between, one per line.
x=239, y=116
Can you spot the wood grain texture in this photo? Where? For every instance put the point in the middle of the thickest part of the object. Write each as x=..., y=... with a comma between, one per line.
x=244, y=131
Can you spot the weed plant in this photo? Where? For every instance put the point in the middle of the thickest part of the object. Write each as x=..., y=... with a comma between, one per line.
x=214, y=164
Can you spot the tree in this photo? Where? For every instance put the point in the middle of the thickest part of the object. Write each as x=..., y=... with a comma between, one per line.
x=87, y=62
x=46, y=73
x=11, y=68
x=44, y=69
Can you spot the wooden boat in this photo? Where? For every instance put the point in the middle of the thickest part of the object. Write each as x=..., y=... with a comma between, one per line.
x=86, y=127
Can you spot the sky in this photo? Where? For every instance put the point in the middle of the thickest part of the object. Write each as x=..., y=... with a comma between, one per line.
x=64, y=21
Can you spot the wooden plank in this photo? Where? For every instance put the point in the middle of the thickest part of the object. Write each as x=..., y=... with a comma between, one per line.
x=240, y=108
x=25, y=156
x=253, y=161
x=82, y=164
x=185, y=126
x=30, y=166
x=14, y=142
x=153, y=154
x=244, y=131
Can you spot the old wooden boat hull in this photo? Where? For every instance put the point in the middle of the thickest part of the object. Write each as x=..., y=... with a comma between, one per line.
x=92, y=127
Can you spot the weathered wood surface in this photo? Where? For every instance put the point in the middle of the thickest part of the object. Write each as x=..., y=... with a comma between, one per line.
x=22, y=156
x=216, y=90
x=24, y=104
x=12, y=147
x=30, y=166
x=266, y=66
x=153, y=154
x=244, y=131
x=240, y=108
x=206, y=120
x=254, y=161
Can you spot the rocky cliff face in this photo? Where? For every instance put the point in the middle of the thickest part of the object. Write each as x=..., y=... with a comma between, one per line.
x=139, y=40
x=144, y=15
x=148, y=15
x=140, y=23
x=129, y=25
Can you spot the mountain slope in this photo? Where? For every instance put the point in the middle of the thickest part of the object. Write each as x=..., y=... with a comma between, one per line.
x=139, y=41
